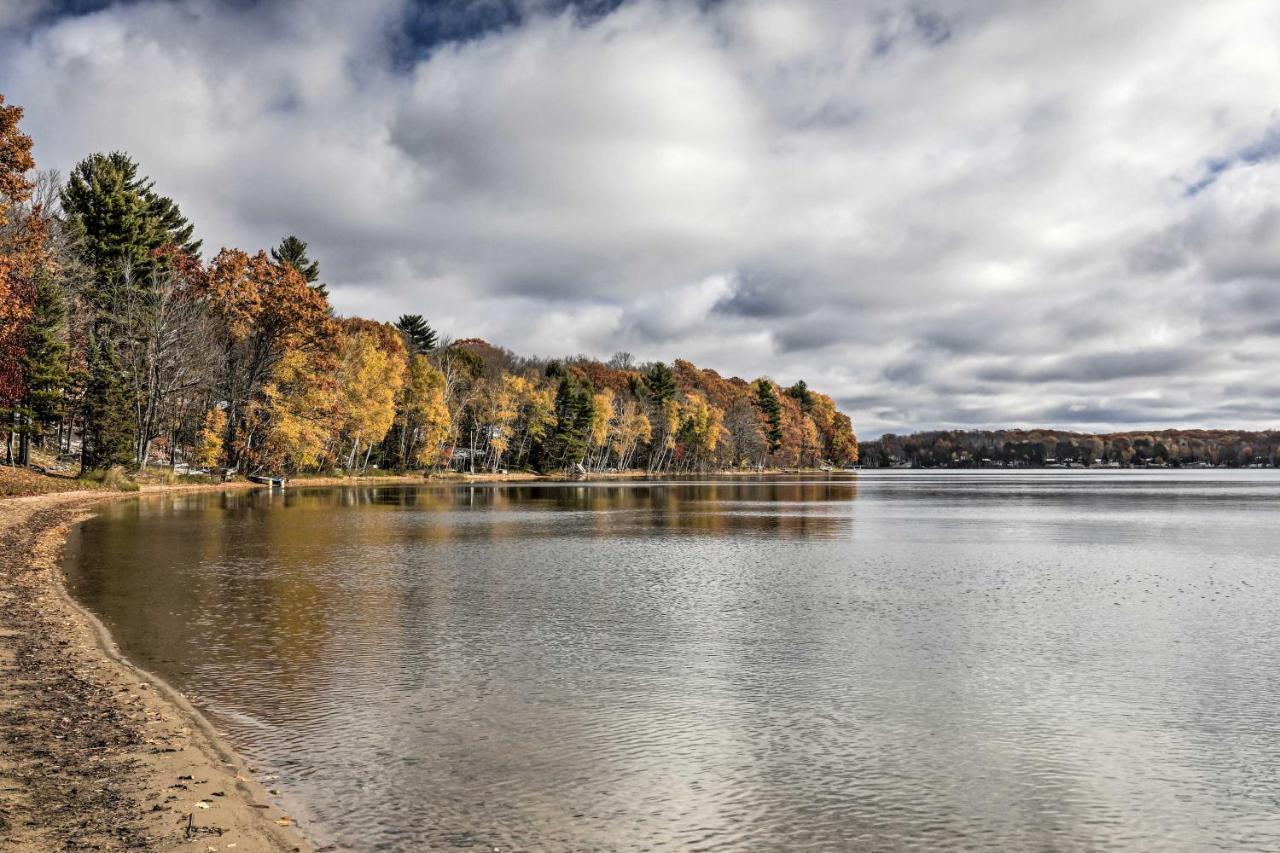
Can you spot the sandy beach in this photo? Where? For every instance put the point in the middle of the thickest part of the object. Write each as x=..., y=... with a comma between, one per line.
x=96, y=754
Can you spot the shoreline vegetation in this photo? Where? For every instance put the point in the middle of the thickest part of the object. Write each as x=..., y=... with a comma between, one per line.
x=1049, y=448
x=123, y=350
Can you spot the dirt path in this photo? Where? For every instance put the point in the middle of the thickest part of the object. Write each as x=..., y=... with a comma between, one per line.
x=95, y=754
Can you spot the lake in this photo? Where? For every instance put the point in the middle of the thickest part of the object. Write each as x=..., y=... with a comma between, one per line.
x=1037, y=660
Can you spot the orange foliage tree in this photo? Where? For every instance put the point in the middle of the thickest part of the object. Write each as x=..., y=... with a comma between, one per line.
x=20, y=241
x=261, y=312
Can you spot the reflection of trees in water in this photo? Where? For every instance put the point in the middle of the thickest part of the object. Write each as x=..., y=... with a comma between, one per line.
x=191, y=559
x=248, y=559
x=780, y=508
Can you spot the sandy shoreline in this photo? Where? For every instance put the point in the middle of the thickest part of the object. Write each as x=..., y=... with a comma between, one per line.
x=96, y=754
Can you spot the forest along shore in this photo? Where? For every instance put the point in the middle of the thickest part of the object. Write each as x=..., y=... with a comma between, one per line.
x=94, y=753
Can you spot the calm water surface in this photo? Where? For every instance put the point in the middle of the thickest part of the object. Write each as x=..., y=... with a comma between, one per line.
x=1030, y=661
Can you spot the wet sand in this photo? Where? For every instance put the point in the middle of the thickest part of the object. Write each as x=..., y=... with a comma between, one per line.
x=96, y=754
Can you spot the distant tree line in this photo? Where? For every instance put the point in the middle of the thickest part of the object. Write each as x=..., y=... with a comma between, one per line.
x=122, y=347
x=1041, y=448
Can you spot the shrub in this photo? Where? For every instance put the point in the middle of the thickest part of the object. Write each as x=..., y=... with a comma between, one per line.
x=114, y=477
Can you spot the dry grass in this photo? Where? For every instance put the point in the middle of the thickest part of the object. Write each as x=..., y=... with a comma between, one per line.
x=114, y=478
x=15, y=482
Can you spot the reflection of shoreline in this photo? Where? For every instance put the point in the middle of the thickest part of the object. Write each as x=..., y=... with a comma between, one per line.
x=455, y=477
x=797, y=507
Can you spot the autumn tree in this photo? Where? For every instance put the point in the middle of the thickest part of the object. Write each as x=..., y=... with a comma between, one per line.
x=746, y=441
x=701, y=429
x=427, y=424
x=494, y=411
x=15, y=160
x=666, y=426
x=536, y=404
x=462, y=368
x=170, y=354
x=299, y=413
x=842, y=444
x=260, y=311
x=17, y=291
x=206, y=451
x=370, y=375
x=634, y=430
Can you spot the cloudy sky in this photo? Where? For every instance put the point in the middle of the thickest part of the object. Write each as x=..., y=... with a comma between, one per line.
x=943, y=213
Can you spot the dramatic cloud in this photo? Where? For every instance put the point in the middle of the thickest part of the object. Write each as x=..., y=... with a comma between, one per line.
x=945, y=213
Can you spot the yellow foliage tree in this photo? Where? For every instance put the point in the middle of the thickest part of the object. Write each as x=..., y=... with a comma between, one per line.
x=497, y=406
x=702, y=424
x=428, y=424
x=633, y=430
x=300, y=406
x=370, y=375
x=208, y=449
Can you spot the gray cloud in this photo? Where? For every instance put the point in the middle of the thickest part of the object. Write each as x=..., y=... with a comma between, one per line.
x=1100, y=367
x=952, y=214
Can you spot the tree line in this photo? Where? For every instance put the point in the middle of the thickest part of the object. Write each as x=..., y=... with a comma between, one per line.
x=1039, y=448
x=120, y=345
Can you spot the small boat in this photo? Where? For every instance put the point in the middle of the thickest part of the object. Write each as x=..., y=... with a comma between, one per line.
x=273, y=482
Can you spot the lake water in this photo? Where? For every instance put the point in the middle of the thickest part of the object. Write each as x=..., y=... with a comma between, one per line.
x=956, y=661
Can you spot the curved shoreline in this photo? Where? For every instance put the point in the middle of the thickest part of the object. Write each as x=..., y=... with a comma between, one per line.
x=95, y=752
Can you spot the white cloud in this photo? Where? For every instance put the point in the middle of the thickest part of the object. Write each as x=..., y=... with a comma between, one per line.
x=927, y=212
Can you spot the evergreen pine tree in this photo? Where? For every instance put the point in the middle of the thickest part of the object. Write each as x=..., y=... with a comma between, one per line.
x=801, y=393
x=118, y=221
x=108, y=433
x=660, y=381
x=44, y=364
x=771, y=408
x=420, y=338
x=293, y=252
x=573, y=420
